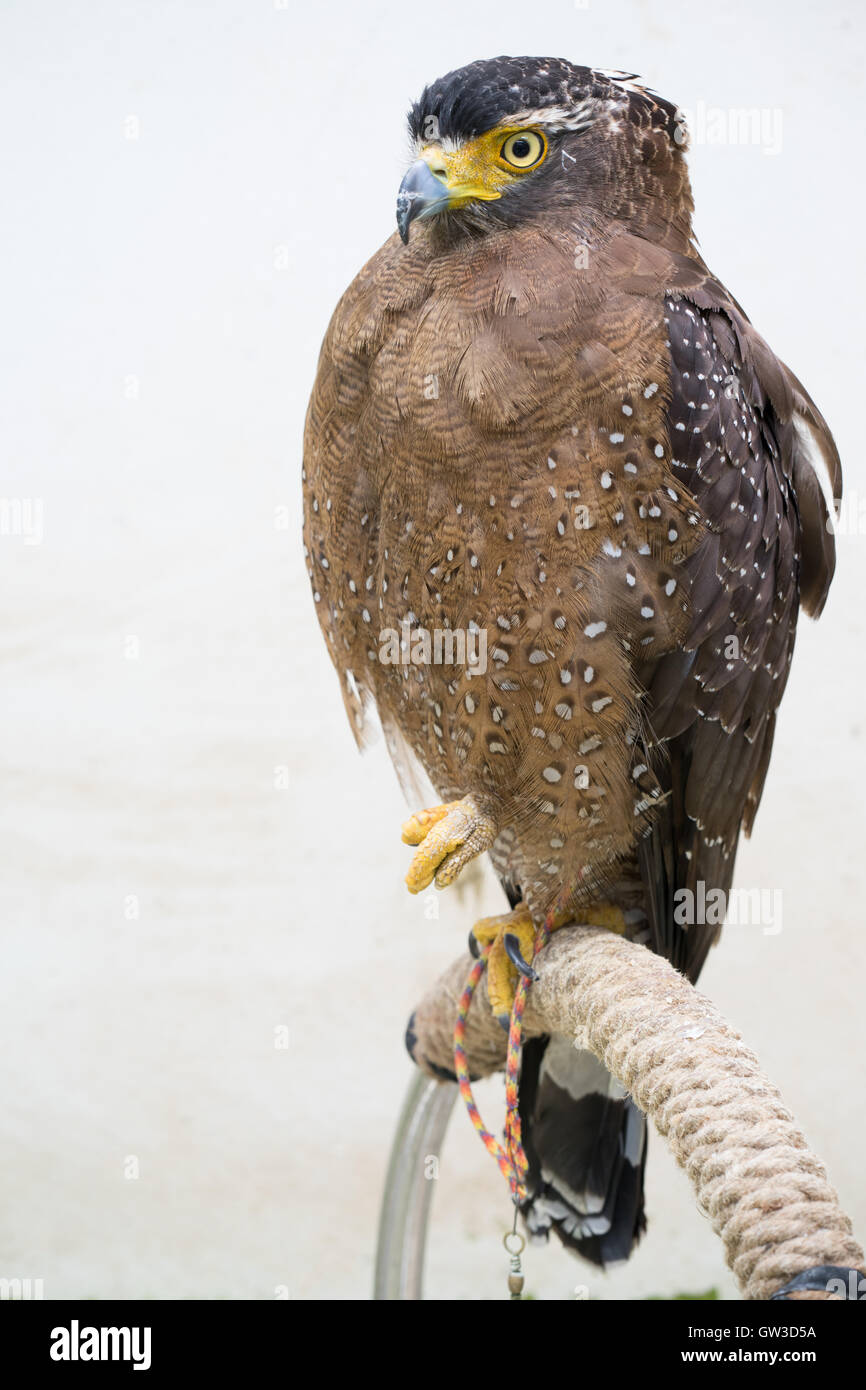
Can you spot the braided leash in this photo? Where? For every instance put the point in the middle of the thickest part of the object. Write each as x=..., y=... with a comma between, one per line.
x=511, y=1158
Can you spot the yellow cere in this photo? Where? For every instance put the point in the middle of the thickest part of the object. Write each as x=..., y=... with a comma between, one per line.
x=483, y=168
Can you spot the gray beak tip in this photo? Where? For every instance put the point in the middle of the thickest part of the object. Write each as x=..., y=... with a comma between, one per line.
x=421, y=194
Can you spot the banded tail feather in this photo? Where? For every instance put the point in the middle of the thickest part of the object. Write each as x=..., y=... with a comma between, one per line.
x=586, y=1142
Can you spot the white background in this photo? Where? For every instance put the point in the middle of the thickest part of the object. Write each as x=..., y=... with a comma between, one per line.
x=187, y=189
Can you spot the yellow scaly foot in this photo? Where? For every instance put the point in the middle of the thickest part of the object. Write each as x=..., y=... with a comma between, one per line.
x=447, y=837
x=502, y=966
x=502, y=972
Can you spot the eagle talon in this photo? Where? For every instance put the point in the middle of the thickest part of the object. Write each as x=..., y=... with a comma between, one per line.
x=448, y=837
x=512, y=950
x=511, y=937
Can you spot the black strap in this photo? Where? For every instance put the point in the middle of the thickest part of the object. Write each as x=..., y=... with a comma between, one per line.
x=819, y=1278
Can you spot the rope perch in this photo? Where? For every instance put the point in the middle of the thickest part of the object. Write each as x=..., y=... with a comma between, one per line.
x=766, y=1194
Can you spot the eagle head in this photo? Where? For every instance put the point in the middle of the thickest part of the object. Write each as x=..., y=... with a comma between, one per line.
x=505, y=139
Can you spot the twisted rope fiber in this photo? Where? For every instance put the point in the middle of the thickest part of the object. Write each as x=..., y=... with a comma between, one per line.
x=766, y=1194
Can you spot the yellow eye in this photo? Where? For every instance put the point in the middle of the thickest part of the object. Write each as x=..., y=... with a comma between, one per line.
x=524, y=149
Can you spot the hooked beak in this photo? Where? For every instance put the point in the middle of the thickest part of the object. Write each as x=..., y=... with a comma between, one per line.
x=421, y=195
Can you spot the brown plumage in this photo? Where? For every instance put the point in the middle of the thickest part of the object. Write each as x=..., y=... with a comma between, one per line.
x=544, y=418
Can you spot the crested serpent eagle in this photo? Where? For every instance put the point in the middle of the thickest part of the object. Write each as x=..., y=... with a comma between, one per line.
x=541, y=423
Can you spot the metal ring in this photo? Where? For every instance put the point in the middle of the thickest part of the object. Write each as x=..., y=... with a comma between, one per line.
x=514, y=1235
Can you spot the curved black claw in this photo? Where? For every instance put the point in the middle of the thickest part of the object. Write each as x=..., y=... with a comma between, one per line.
x=474, y=948
x=512, y=950
x=411, y=1037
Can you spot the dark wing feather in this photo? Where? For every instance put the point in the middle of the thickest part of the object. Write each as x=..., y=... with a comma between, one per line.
x=746, y=439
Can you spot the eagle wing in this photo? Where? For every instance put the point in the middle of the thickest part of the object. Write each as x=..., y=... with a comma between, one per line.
x=747, y=442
